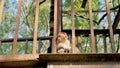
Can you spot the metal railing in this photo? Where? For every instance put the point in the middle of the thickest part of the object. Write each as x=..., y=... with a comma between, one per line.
x=57, y=14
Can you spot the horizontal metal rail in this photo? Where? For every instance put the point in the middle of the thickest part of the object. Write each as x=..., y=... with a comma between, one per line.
x=87, y=31
x=29, y=39
x=107, y=57
x=86, y=11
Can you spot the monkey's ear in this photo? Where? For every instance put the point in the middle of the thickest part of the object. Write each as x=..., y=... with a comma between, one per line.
x=65, y=34
x=65, y=37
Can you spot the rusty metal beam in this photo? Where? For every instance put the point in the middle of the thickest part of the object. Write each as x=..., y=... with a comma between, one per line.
x=110, y=26
x=77, y=33
x=7, y=58
x=18, y=61
x=91, y=28
x=73, y=26
x=116, y=20
x=36, y=27
x=17, y=27
x=51, y=22
x=59, y=16
x=84, y=3
x=18, y=64
x=87, y=31
x=55, y=26
x=80, y=57
x=29, y=39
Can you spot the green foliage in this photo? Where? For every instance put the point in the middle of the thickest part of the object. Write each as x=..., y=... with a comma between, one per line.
x=82, y=21
x=27, y=19
x=66, y=4
x=81, y=18
x=6, y=49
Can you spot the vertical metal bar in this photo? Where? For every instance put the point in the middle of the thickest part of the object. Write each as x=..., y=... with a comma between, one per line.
x=51, y=24
x=73, y=26
x=40, y=46
x=17, y=27
x=51, y=44
x=0, y=42
x=0, y=46
x=104, y=42
x=59, y=16
x=91, y=27
x=110, y=27
x=96, y=43
x=1, y=9
x=55, y=26
x=36, y=27
x=26, y=47
x=118, y=46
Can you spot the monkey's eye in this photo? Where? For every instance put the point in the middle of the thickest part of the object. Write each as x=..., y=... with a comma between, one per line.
x=59, y=36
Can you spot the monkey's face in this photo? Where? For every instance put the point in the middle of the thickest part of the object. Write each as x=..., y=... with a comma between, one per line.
x=62, y=37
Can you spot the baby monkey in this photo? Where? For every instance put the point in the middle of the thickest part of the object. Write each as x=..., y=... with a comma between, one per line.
x=63, y=45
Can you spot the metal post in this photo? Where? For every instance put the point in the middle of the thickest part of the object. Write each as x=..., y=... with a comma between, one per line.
x=96, y=44
x=91, y=28
x=55, y=26
x=1, y=9
x=17, y=27
x=40, y=46
x=59, y=16
x=36, y=26
x=73, y=26
x=26, y=47
x=104, y=42
x=110, y=27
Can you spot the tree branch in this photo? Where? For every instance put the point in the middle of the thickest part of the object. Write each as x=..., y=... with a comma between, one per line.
x=87, y=18
x=106, y=13
x=42, y=2
x=83, y=17
x=26, y=16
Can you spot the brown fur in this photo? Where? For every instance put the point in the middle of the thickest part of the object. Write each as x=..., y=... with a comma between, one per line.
x=63, y=43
